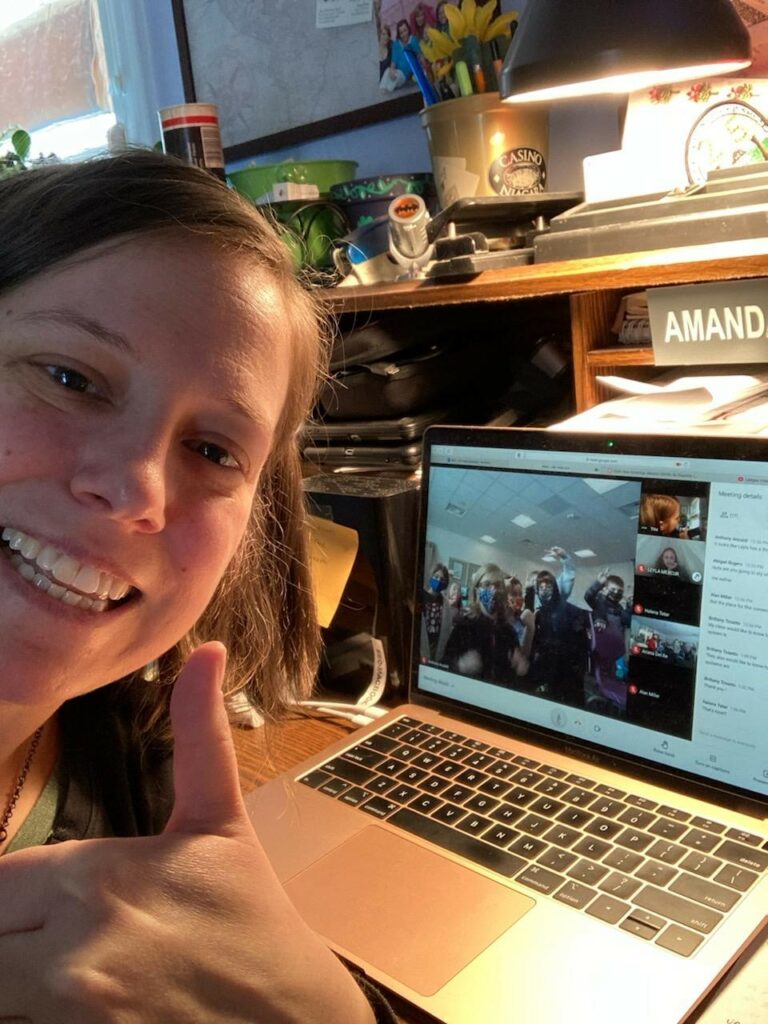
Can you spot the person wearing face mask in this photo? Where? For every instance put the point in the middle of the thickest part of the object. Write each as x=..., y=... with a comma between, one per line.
x=521, y=619
x=561, y=644
x=483, y=644
x=433, y=607
x=611, y=616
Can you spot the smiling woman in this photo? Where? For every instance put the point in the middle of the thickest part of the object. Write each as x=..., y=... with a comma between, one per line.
x=157, y=358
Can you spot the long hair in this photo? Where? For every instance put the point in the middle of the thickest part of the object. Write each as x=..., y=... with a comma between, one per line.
x=263, y=608
x=657, y=508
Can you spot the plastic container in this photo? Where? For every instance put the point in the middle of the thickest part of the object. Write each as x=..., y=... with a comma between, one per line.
x=480, y=146
x=255, y=181
x=367, y=199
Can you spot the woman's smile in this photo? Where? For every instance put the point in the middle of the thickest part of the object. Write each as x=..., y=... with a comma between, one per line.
x=62, y=577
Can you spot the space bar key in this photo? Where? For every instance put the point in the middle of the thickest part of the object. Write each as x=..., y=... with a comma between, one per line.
x=487, y=856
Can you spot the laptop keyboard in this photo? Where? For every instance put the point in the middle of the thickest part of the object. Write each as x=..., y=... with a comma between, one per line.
x=653, y=870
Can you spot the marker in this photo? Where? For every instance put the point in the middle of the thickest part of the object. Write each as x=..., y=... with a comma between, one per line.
x=463, y=80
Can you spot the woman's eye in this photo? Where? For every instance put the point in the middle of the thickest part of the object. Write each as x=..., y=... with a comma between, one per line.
x=215, y=453
x=71, y=379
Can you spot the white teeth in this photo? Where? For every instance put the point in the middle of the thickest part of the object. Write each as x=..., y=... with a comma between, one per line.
x=87, y=579
x=65, y=568
x=33, y=560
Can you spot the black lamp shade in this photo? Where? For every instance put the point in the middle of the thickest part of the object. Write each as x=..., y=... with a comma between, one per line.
x=582, y=43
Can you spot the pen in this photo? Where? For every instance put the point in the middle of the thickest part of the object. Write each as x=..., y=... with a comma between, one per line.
x=427, y=91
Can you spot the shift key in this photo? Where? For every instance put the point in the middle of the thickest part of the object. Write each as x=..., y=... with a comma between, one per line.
x=692, y=915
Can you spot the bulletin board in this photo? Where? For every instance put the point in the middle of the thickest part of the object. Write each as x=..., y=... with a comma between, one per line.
x=277, y=78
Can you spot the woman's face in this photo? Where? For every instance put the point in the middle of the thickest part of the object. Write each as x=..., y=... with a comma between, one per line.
x=404, y=32
x=140, y=389
x=490, y=591
x=669, y=558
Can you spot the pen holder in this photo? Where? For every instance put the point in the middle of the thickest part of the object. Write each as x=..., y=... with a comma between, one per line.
x=480, y=146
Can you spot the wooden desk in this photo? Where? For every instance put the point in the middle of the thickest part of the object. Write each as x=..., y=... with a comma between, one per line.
x=264, y=753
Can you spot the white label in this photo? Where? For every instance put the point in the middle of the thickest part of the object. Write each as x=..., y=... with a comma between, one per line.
x=335, y=13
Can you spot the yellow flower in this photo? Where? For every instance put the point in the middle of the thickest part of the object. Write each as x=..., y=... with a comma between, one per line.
x=456, y=21
x=441, y=43
x=501, y=26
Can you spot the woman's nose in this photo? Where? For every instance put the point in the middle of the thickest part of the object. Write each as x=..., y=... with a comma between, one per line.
x=128, y=486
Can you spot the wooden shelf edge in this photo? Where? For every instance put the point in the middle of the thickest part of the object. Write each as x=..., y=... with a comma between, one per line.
x=741, y=258
x=624, y=356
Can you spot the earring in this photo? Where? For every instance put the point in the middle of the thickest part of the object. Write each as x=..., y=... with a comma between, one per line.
x=151, y=671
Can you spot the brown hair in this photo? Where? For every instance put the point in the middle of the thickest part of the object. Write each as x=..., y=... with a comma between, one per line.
x=263, y=609
x=657, y=508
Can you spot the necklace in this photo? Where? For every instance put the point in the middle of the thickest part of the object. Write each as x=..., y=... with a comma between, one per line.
x=14, y=798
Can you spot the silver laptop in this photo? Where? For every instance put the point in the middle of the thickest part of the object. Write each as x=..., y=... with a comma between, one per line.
x=568, y=820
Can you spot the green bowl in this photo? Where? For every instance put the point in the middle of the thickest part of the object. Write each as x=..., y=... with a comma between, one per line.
x=255, y=181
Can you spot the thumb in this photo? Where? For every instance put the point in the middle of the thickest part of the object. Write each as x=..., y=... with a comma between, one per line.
x=205, y=776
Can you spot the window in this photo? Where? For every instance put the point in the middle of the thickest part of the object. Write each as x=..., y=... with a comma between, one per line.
x=53, y=76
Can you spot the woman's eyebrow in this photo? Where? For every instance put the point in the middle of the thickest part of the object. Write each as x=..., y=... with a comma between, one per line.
x=72, y=318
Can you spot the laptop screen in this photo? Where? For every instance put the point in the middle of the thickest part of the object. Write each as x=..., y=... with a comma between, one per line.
x=613, y=590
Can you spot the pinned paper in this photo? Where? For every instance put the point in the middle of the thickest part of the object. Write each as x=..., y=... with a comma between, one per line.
x=335, y=13
x=332, y=550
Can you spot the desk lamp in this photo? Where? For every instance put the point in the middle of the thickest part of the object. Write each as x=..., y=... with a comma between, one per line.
x=566, y=48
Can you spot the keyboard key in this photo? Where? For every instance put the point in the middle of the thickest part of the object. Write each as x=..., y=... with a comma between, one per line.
x=413, y=736
x=500, y=835
x=425, y=760
x=668, y=829
x=637, y=817
x=401, y=793
x=623, y=860
x=455, y=752
x=697, y=839
x=449, y=813
x=406, y=752
x=507, y=815
x=575, y=817
x=578, y=796
x=561, y=835
x=642, y=931
x=670, y=853
x=620, y=885
x=575, y=895
x=685, y=912
x=528, y=847
x=744, y=856
x=477, y=744
x=556, y=773
x=736, y=877
x=363, y=755
x=478, y=760
x=379, y=807
x=594, y=849
x=743, y=837
x=475, y=824
x=606, y=807
x=380, y=784
x=526, y=777
x=611, y=791
x=558, y=860
x=452, y=839
x=447, y=769
x=457, y=794
x=533, y=824
x=608, y=908
x=540, y=879
x=646, y=918
x=703, y=891
x=631, y=839
x=502, y=769
x=554, y=787
x=348, y=771
x=580, y=780
x=587, y=871
x=354, y=796
x=603, y=828
x=471, y=777
x=708, y=825
x=526, y=762
x=546, y=805
x=641, y=801
x=379, y=742
x=314, y=779
x=395, y=729
x=481, y=803
x=495, y=787
x=412, y=775
x=673, y=812
x=700, y=864
x=426, y=803
x=391, y=766
x=679, y=940
x=334, y=787
x=655, y=872
x=520, y=796
x=506, y=755
x=432, y=784
x=435, y=744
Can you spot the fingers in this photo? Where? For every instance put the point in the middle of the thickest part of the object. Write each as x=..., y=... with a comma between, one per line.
x=206, y=781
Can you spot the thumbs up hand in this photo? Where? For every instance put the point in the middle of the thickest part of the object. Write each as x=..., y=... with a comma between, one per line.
x=188, y=926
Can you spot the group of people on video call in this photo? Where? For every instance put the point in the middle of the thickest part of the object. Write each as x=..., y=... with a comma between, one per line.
x=530, y=636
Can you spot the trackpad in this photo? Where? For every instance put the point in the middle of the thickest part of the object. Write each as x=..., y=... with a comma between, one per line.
x=413, y=914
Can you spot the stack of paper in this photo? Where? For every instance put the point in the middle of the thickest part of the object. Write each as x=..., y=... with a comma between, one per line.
x=730, y=404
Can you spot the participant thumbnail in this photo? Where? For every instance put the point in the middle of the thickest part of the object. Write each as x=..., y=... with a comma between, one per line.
x=673, y=509
x=668, y=578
